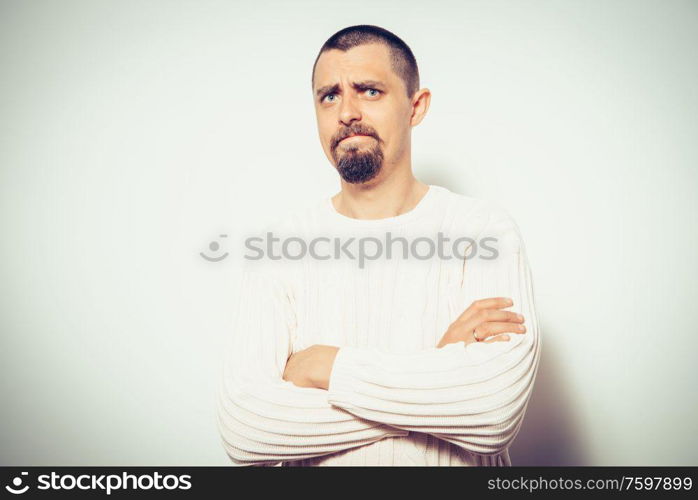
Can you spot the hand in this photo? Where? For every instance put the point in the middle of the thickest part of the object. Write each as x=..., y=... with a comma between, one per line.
x=311, y=367
x=484, y=317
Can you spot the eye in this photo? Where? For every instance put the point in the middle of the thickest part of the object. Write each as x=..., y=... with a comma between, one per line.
x=373, y=92
x=327, y=96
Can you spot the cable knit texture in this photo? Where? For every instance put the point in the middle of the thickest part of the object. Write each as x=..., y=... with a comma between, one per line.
x=394, y=398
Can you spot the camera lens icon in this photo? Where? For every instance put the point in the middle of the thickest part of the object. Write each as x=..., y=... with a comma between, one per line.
x=16, y=485
x=214, y=246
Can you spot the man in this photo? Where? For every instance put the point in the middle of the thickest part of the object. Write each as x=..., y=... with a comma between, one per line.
x=395, y=359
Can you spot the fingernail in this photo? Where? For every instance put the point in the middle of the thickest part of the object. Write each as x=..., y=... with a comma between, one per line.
x=519, y=316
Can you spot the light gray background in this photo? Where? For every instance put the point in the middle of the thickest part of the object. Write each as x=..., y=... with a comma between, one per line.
x=132, y=134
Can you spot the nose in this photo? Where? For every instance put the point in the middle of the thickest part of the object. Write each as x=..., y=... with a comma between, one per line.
x=349, y=110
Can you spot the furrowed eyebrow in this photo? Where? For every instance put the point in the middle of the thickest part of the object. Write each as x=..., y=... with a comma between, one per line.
x=327, y=89
x=366, y=84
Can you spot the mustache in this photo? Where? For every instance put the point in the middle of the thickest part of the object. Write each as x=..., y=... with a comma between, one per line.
x=357, y=129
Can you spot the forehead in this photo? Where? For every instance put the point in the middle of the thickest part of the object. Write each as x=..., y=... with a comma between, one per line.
x=364, y=62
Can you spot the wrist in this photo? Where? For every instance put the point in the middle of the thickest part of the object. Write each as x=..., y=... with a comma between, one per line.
x=322, y=371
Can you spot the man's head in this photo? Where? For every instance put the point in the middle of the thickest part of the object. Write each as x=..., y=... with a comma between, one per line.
x=366, y=84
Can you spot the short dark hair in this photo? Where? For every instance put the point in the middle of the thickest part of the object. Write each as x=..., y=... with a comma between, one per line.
x=403, y=61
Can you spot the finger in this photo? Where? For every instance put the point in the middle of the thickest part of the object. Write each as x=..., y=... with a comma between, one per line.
x=497, y=338
x=491, y=303
x=498, y=315
x=495, y=328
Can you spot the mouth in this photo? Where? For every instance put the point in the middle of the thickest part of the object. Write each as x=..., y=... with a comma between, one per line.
x=354, y=135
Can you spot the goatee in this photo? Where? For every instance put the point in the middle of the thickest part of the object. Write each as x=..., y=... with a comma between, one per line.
x=357, y=166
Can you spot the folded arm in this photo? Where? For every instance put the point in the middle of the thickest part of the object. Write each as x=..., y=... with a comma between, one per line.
x=262, y=418
x=473, y=395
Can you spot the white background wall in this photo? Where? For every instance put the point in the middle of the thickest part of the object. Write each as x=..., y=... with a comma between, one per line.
x=132, y=134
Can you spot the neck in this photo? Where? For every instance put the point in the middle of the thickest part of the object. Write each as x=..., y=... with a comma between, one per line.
x=384, y=197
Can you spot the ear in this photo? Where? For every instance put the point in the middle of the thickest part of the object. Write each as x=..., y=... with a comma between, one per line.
x=420, y=105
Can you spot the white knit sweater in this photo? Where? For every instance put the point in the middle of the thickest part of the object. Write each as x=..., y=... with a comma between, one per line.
x=394, y=398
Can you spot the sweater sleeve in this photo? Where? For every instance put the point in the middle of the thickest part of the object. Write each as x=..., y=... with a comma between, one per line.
x=263, y=419
x=472, y=395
